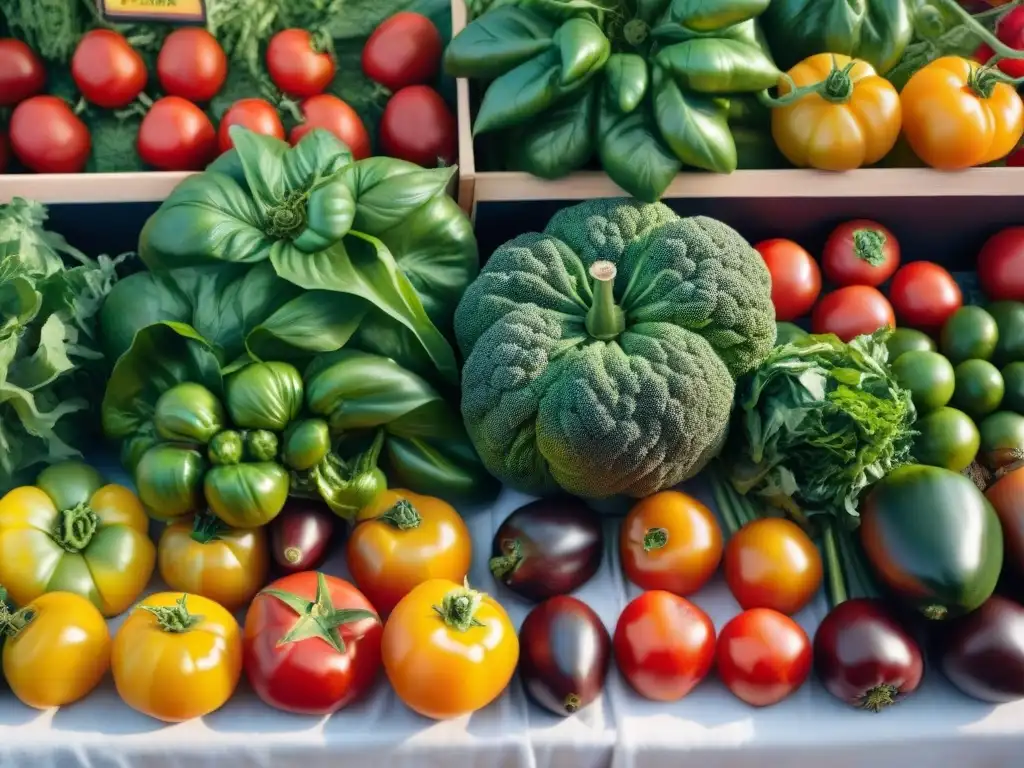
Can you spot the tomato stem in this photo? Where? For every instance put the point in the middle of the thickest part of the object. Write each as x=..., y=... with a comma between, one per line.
x=13, y=622
x=655, y=538
x=505, y=565
x=403, y=516
x=173, y=618
x=458, y=608
x=605, y=319
x=879, y=697
x=868, y=245
x=75, y=528
x=1001, y=49
x=288, y=218
x=837, y=87
x=636, y=31
x=207, y=527
x=935, y=612
x=571, y=703
x=318, y=618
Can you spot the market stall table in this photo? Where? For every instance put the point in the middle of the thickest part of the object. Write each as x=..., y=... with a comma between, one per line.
x=710, y=728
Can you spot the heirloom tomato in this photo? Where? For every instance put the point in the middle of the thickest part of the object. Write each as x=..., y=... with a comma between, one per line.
x=796, y=279
x=763, y=656
x=57, y=649
x=860, y=252
x=311, y=644
x=852, y=311
x=664, y=645
x=850, y=118
x=205, y=556
x=670, y=541
x=192, y=64
x=71, y=532
x=771, y=563
x=403, y=539
x=22, y=73
x=177, y=656
x=924, y=295
x=957, y=114
x=449, y=650
x=107, y=70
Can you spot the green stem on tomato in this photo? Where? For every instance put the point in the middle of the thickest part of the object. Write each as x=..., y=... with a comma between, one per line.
x=1001, y=49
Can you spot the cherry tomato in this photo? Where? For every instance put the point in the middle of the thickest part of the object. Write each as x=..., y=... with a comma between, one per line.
x=107, y=70
x=860, y=252
x=298, y=65
x=1001, y=264
x=192, y=64
x=1010, y=31
x=772, y=563
x=852, y=311
x=664, y=645
x=311, y=644
x=257, y=115
x=47, y=137
x=404, y=50
x=22, y=73
x=763, y=656
x=924, y=295
x=670, y=541
x=333, y=114
x=418, y=126
x=176, y=135
x=796, y=279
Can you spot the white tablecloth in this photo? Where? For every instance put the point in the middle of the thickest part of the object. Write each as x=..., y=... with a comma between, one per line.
x=708, y=729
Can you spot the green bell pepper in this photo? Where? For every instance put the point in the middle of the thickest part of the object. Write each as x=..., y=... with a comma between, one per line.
x=261, y=445
x=265, y=396
x=246, y=495
x=306, y=443
x=188, y=412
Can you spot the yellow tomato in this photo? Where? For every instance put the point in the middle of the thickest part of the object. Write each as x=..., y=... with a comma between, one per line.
x=853, y=119
x=57, y=649
x=177, y=656
x=448, y=650
x=206, y=557
x=956, y=114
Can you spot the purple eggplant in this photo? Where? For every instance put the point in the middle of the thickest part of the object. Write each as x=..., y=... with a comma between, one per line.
x=564, y=652
x=982, y=654
x=301, y=536
x=548, y=547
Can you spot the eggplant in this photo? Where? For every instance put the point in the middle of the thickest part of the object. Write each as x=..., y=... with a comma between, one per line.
x=301, y=536
x=982, y=653
x=564, y=654
x=864, y=657
x=548, y=547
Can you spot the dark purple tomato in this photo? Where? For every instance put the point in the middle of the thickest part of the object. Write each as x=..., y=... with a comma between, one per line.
x=548, y=547
x=982, y=653
x=564, y=652
x=300, y=537
x=865, y=657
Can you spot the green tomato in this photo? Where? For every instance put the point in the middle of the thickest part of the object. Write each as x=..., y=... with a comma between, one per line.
x=247, y=495
x=970, y=334
x=946, y=438
x=904, y=340
x=979, y=388
x=1013, y=381
x=188, y=413
x=1009, y=316
x=225, y=448
x=265, y=396
x=260, y=445
x=929, y=377
x=1002, y=439
x=169, y=480
x=306, y=443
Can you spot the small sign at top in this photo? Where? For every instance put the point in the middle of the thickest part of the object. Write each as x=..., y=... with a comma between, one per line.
x=171, y=11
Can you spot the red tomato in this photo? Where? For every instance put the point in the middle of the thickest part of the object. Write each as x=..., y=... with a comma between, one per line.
x=176, y=135
x=47, y=137
x=852, y=311
x=418, y=126
x=860, y=252
x=664, y=645
x=192, y=64
x=924, y=295
x=1016, y=158
x=107, y=70
x=298, y=65
x=311, y=644
x=257, y=115
x=404, y=50
x=333, y=114
x=763, y=656
x=1001, y=265
x=22, y=73
x=796, y=279
x=1010, y=31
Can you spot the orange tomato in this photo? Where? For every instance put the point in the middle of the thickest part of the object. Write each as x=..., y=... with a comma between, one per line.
x=448, y=650
x=670, y=541
x=772, y=563
x=957, y=115
x=403, y=539
x=853, y=121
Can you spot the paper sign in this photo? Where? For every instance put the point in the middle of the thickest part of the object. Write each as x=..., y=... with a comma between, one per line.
x=179, y=11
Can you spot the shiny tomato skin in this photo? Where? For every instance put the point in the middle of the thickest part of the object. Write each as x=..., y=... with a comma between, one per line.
x=1001, y=264
x=176, y=135
x=763, y=656
x=22, y=73
x=924, y=295
x=850, y=249
x=664, y=645
x=107, y=70
x=796, y=278
x=417, y=126
x=404, y=50
x=309, y=676
x=297, y=65
x=852, y=311
x=258, y=115
x=192, y=65
x=334, y=115
x=47, y=137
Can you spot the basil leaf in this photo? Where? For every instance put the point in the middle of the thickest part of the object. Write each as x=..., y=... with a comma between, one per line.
x=583, y=49
x=388, y=190
x=707, y=15
x=520, y=94
x=696, y=127
x=498, y=41
x=314, y=322
x=718, y=65
x=632, y=153
x=626, y=80
x=559, y=141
